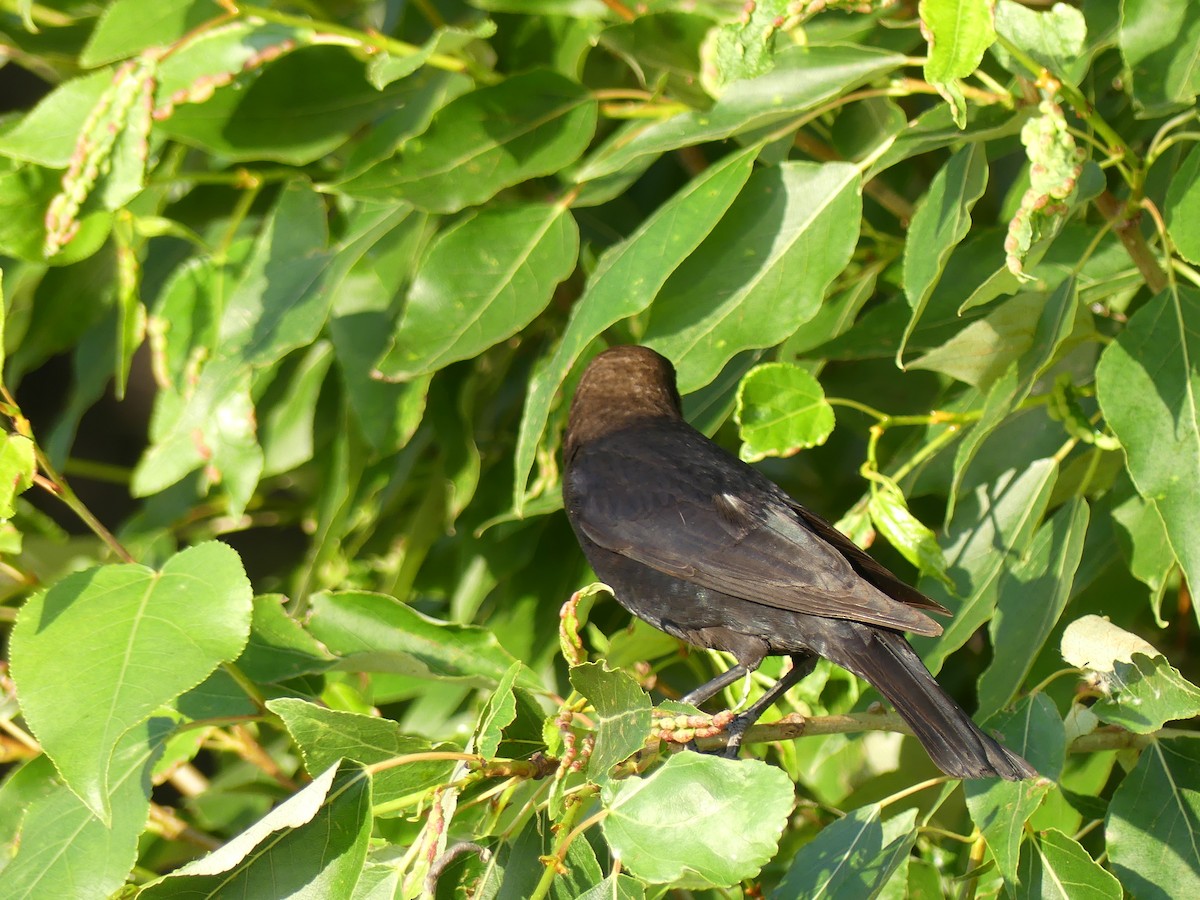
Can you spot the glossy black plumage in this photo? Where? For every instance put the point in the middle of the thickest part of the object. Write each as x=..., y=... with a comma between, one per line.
x=707, y=549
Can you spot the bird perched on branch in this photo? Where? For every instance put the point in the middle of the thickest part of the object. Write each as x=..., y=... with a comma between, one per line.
x=704, y=547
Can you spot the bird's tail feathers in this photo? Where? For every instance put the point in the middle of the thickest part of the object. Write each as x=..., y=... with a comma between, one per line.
x=949, y=736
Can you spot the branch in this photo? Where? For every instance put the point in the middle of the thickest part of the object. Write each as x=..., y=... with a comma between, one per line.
x=794, y=726
x=1126, y=228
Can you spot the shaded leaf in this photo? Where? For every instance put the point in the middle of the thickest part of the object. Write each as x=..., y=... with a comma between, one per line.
x=300, y=107
x=622, y=714
x=1147, y=382
x=1153, y=826
x=1160, y=42
x=1147, y=692
x=942, y=219
x=1032, y=592
x=60, y=837
x=376, y=633
x=1055, y=866
x=1054, y=326
x=311, y=845
x=851, y=858
x=994, y=523
x=326, y=736
x=1000, y=809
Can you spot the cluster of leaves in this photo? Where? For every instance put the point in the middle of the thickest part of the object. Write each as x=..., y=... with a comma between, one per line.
x=357, y=253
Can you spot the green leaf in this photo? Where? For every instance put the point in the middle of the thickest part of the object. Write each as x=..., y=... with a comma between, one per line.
x=484, y=280
x=615, y=887
x=803, y=78
x=959, y=33
x=17, y=468
x=514, y=871
x=1034, y=729
x=376, y=633
x=1147, y=382
x=287, y=426
x=528, y=125
x=994, y=523
x=312, y=845
x=1160, y=40
x=384, y=68
x=1032, y=592
x=942, y=219
x=1056, y=323
x=780, y=411
x=1055, y=867
x=326, y=736
x=916, y=542
x=294, y=110
x=698, y=821
x=622, y=714
x=851, y=858
x=25, y=194
x=762, y=272
x=626, y=279
x=1182, y=207
x=60, y=837
x=213, y=427
x=836, y=316
x=1055, y=37
x=279, y=303
x=936, y=128
x=162, y=633
x=127, y=27
x=497, y=714
x=1142, y=538
x=1153, y=826
x=1000, y=809
x=362, y=322
x=744, y=48
x=47, y=135
x=981, y=352
x=1147, y=693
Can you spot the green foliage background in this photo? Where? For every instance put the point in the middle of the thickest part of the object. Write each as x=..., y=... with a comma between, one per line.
x=932, y=266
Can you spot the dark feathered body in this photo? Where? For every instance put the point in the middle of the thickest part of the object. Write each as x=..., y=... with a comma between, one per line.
x=707, y=549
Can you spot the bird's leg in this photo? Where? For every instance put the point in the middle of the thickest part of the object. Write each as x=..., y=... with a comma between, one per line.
x=802, y=665
x=710, y=687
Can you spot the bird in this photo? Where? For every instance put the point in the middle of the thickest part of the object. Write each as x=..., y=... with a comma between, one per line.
x=706, y=548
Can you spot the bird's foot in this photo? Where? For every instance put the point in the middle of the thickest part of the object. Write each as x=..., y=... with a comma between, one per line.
x=684, y=729
x=736, y=732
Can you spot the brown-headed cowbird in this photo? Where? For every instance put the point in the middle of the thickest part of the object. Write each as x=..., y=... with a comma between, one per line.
x=704, y=547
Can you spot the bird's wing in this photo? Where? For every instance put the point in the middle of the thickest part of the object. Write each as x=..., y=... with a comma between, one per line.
x=689, y=515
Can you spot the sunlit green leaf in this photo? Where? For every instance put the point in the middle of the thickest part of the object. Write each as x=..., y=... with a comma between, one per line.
x=163, y=632
x=1147, y=382
x=781, y=409
x=698, y=820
